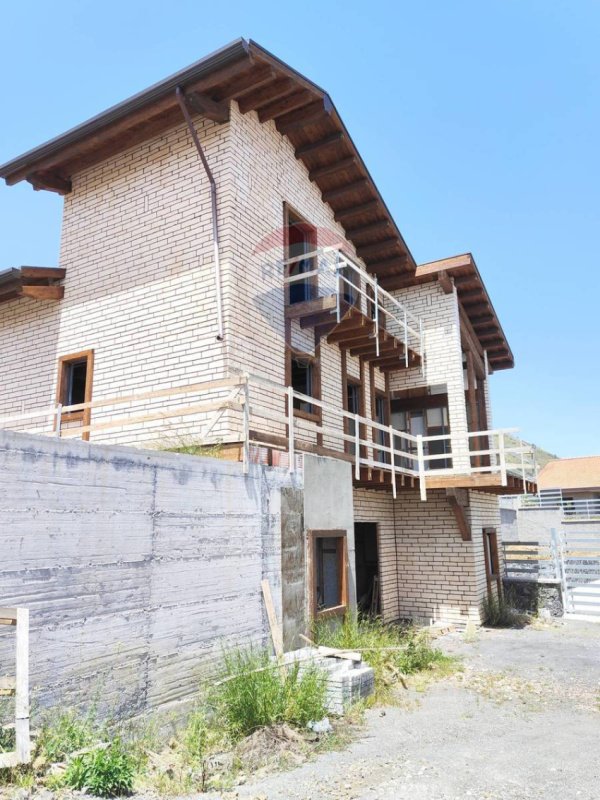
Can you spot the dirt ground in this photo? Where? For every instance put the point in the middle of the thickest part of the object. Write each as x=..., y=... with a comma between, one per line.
x=521, y=720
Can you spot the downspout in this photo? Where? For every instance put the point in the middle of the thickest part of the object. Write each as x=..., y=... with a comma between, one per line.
x=213, y=202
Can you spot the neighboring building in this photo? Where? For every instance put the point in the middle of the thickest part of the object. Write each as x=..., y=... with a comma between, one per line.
x=575, y=478
x=291, y=271
x=575, y=483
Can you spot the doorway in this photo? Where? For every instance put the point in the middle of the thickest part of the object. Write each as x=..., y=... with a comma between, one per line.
x=367, y=567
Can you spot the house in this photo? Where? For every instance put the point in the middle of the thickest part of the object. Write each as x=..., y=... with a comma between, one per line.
x=231, y=278
x=574, y=483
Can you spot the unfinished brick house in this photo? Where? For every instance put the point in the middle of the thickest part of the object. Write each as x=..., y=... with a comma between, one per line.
x=230, y=277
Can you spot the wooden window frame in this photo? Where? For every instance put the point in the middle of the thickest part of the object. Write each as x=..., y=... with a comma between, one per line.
x=85, y=415
x=313, y=281
x=342, y=607
x=314, y=416
x=351, y=381
x=490, y=540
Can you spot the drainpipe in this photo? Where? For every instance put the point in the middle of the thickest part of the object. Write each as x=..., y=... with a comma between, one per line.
x=213, y=202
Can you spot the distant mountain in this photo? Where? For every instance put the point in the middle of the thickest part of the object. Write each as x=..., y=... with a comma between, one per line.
x=542, y=456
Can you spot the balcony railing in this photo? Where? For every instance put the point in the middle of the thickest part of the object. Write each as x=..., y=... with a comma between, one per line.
x=335, y=274
x=571, y=508
x=261, y=412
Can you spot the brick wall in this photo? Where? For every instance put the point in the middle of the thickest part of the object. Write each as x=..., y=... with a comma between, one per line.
x=427, y=571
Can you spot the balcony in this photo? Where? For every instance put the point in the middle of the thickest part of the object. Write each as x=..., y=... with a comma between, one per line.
x=252, y=419
x=327, y=291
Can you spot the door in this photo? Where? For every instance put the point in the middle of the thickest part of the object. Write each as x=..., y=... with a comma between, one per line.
x=367, y=567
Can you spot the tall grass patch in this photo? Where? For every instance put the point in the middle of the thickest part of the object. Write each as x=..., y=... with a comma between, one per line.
x=256, y=693
x=392, y=650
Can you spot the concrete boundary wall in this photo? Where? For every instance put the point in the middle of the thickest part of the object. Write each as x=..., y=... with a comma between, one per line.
x=137, y=566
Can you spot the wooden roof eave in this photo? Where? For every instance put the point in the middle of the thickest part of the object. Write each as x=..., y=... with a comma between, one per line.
x=38, y=283
x=474, y=299
x=258, y=81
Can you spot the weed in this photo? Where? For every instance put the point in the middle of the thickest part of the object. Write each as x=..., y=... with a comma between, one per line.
x=498, y=612
x=65, y=733
x=392, y=650
x=256, y=693
x=105, y=772
x=7, y=739
x=188, y=445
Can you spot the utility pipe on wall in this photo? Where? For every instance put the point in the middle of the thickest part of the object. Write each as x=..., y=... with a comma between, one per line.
x=213, y=202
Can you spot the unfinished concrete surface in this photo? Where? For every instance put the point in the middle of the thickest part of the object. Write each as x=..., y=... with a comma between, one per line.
x=519, y=723
x=137, y=566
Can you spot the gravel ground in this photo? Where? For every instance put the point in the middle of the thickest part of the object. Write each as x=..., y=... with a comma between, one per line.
x=520, y=721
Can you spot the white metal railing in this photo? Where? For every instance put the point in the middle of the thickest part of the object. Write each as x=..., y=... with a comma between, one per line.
x=341, y=277
x=570, y=508
x=266, y=412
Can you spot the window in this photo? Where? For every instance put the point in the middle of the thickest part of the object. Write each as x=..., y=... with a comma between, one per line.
x=329, y=588
x=304, y=380
x=380, y=436
x=300, y=239
x=426, y=416
x=74, y=385
x=492, y=561
x=353, y=406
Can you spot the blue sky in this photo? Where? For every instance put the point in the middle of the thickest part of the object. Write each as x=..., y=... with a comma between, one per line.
x=479, y=122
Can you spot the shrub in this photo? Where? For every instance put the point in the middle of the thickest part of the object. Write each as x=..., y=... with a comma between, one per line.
x=391, y=650
x=105, y=772
x=498, y=612
x=256, y=693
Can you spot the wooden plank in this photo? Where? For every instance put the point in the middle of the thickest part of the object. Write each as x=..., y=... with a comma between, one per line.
x=54, y=273
x=43, y=292
x=276, y=632
x=461, y=519
x=8, y=616
x=356, y=210
x=122, y=422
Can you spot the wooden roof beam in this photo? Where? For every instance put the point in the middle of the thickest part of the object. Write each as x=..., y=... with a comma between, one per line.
x=315, y=147
x=445, y=281
x=330, y=169
x=394, y=264
x=356, y=210
x=340, y=191
x=44, y=292
x=373, y=227
x=281, y=106
x=312, y=112
x=204, y=105
x=365, y=251
x=247, y=86
x=50, y=182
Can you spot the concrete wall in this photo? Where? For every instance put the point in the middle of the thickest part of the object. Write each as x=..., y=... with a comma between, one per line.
x=137, y=566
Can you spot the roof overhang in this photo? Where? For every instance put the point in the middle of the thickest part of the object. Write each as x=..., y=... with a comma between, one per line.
x=461, y=272
x=39, y=283
x=258, y=81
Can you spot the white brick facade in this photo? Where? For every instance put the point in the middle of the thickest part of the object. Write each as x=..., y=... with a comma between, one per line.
x=140, y=291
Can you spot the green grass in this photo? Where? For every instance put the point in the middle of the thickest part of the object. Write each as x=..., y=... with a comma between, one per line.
x=392, y=650
x=254, y=694
x=63, y=733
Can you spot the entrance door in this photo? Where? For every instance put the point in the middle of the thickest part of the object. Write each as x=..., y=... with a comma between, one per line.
x=367, y=567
